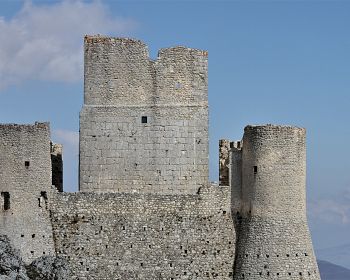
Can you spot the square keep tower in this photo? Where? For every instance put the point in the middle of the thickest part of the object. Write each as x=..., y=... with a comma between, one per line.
x=144, y=123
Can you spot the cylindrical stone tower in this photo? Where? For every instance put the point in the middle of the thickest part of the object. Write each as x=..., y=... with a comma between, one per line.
x=274, y=240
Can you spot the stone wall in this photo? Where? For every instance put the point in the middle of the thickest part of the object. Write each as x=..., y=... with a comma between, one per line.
x=25, y=172
x=144, y=123
x=146, y=236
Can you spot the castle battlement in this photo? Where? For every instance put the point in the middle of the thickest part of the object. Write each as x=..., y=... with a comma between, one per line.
x=145, y=208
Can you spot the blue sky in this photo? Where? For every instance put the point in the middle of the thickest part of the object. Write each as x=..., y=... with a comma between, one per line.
x=282, y=62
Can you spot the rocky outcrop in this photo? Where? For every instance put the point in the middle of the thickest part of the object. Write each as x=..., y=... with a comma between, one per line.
x=48, y=267
x=12, y=266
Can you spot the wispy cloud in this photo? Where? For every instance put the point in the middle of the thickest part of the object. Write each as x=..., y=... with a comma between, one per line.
x=332, y=210
x=44, y=42
x=67, y=137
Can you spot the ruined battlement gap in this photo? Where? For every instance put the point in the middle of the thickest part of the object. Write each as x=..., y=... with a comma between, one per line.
x=119, y=72
x=144, y=123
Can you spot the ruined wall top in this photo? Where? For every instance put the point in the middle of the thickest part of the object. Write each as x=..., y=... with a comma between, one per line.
x=119, y=72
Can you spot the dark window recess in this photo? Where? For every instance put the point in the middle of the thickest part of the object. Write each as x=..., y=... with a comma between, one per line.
x=255, y=168
x=26, y=163
x=42, y=199
x=144, y=119
x=43, y=195
x=6, y=196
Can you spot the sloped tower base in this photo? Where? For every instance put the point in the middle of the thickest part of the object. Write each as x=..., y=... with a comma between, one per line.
x=275, y=249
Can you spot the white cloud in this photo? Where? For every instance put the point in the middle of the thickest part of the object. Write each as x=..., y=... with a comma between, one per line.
x=67, y=137
x=333, y=210
x=45, y=42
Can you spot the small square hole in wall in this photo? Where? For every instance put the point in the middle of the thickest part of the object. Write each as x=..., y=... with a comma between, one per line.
x=144, y=119
x=26, y=163
x=255, y=169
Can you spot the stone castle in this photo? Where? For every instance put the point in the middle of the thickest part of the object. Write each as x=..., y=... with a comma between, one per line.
x=145, y=208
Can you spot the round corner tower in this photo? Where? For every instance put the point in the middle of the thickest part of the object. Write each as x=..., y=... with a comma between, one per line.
x=274, y=240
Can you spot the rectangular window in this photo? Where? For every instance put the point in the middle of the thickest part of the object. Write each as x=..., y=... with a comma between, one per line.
x=255, y=169
x=144, y=119
x=6, y=197
x=26, y=164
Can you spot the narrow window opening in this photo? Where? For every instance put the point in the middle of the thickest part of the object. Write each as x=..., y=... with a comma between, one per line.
x=42, y=199
x=26, y=163
x=255, y=168
x=6, y=196
x=144, y=119
x=238, y=144
x=43, y=195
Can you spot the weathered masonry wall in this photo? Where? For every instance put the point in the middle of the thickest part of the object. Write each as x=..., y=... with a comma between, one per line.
x=273, y=237
x=144, y=123
x=25, y=172
x=146, y=236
